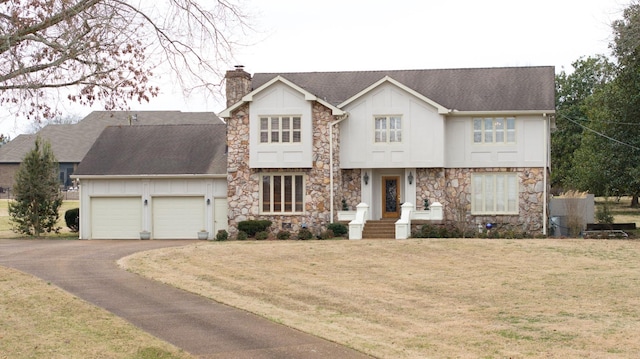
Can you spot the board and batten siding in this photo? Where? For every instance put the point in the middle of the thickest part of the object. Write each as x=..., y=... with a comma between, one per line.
x=280, y=100
x=527, y=151
x=194, y=192
x=423, y=130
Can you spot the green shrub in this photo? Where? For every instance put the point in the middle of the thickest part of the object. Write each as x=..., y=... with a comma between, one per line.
x=252, y=227
x=262, y=235
x=242, y=235
x=304, y=234
x=604, y=214
x=339, y=229
x=283, y=235
x=72, y=218
x=222, y=235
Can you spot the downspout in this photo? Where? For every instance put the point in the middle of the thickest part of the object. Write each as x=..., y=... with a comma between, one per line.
x=331, y=195
x=546, y=166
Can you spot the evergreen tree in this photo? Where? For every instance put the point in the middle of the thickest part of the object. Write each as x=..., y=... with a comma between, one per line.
x=37, y=198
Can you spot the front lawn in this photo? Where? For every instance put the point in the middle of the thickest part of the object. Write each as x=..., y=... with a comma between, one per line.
x=427, y=298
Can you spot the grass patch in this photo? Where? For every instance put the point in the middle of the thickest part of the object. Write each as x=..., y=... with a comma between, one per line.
x=427, y=298
x=42, y=321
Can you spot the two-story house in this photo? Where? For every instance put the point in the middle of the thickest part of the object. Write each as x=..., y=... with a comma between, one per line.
x=474, y=140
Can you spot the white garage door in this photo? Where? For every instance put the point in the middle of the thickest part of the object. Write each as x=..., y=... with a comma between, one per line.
x=177, y=217
x=116, y=217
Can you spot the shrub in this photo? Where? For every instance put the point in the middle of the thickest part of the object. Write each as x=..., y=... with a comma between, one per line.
x=328, y=234
x=252, y=227
x=242, y=235
x=222, y=235
x=262, y=235
x=283, y=235
x=339, y=229
x=304, y=234
x=72, y=218
x=604, y=214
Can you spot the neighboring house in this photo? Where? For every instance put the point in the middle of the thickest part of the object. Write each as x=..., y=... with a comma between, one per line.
x=169, y=180
x=474, y=140
x=70, y=142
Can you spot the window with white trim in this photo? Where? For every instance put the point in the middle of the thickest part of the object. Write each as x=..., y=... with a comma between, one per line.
x=280, y=129
x=494, y=130
x=388, y=129
x=494, y=193
x=282, y=193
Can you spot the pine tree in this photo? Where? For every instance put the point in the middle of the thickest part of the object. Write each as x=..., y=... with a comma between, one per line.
x=37, y=198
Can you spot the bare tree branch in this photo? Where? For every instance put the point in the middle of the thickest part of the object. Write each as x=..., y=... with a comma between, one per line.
x=106, y=51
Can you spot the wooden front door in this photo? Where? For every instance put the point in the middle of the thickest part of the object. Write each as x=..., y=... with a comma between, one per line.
x=390, y=197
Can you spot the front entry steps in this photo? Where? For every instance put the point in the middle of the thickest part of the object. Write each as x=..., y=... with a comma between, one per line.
x=380, y=229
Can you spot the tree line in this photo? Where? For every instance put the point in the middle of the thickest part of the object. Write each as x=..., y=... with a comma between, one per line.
x=596, y=146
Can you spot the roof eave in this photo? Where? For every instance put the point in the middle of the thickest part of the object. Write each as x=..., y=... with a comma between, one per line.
x=149, y=176
x=308, y=96
x=456, y=113
x=441, y=109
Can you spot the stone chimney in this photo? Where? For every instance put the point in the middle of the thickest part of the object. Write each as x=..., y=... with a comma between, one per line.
x=238, y=84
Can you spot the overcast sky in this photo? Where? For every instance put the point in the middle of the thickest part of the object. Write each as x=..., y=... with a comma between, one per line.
x=352, y=35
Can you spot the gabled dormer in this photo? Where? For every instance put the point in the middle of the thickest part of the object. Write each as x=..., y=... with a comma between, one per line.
x=280, y=124
x=392, y=126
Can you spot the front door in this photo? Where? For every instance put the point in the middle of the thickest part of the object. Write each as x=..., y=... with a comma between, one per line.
x=390, y=197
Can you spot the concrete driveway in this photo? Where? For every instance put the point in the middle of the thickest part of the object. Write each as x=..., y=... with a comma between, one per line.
x=198, y=325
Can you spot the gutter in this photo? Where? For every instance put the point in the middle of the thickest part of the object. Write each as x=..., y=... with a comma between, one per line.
x=546, y=166
x=332, y=194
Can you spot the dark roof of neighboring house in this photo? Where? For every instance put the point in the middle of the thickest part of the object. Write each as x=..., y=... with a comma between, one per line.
x=157, y=150
x=472, y=89
x=70, y=143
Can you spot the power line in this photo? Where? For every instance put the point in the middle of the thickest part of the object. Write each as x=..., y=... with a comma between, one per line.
x=600, y=133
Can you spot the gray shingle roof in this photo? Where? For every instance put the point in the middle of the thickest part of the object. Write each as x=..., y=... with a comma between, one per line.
x=473, y=89
x=70, y=143
x=157, y=150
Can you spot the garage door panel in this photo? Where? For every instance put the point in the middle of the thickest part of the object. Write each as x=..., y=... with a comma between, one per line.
x=178, y=217
x=116, y=217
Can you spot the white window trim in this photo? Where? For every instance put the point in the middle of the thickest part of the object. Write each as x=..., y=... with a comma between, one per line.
x=269, y=129
x=388, y=129
x=483, y=131
x=505, y=193
x=282, y=194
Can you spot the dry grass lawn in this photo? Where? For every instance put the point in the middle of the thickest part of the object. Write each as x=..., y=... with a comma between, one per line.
x=427, y=298
x=38, y=320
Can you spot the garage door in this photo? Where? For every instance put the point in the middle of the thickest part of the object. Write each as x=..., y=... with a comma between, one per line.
x=116, y=217
x=177, y=217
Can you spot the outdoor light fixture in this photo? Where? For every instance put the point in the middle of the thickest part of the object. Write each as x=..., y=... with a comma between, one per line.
x=410, y=177
x=208, y=201
x=146, y=202
x=366, y=178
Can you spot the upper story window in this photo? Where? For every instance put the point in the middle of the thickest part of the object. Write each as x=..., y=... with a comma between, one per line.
x=280, y=129
x=388, y=129
x=494, y=130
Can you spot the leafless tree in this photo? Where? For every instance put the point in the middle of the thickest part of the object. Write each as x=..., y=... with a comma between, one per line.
x=106, y=51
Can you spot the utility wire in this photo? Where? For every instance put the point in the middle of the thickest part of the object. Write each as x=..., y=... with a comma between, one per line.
x=600, y=133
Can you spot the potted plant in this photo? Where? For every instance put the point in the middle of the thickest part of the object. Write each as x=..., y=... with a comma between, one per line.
x=203, y=234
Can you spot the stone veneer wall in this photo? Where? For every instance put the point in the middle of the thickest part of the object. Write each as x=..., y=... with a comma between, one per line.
x=244, y=182
x=452, y=188
x=350, y=190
